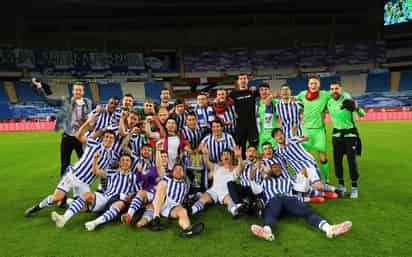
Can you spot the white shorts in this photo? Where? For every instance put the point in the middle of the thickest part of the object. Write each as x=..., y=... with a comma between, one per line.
x=100, y=201
x=313, y=174
x=217, y=196
x=70, y=181
x=167, y=207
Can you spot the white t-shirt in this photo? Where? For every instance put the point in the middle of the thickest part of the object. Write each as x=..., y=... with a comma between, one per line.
x=172, y=149
x=221, y=176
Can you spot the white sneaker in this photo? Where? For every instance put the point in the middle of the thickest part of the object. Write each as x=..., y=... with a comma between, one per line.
x=69, y=201
x=355, y=193
x=262, y=232
x=91, y=225
x=58, y=219
x=339, y=229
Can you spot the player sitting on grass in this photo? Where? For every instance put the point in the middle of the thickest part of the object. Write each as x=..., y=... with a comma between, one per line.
x=120, y=183
x=221, y=174
x=279, y=195
x=169, y=196
x=79, y=177
x=292, y=151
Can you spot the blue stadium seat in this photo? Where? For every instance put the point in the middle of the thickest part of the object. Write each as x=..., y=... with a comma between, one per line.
x=325, y=81
x=3, y=95
x=378, y=82
x=26, y=93
x=109, y=89
x=87, y=91
x=297, y=85
x=406, y=81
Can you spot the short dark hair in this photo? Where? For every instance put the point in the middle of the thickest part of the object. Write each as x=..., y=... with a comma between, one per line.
x=266, y=85
x=147, y=145
x=78, y=83
x=179, y=101
x=134, y=112
x=218, y=121
x=276, y=130
x=242, y=74
x=191, y=114
x=109, y=132
x=266, y=143
x=128, y=95
x=114, y=98
x=125, y=154
x=165, y=89
x=148, y=100
x=335, y=82
x=314, y=77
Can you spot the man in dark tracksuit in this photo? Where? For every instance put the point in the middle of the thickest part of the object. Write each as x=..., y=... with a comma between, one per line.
x=245, y=106
x=73, y=114
x=345, y=138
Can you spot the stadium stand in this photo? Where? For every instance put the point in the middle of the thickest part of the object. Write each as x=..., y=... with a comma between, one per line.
x=108, y=89
x=3, y=95
x=26, y=93
x=354, y=84
x=405, y=82
x=378, y=82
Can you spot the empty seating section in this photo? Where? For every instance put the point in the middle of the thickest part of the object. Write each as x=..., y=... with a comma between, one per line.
x=354, y=84
x=109, y=89
x=3, y=95
x=298, y=84
x=406, y=81
x=26, y=92
x=379, y=82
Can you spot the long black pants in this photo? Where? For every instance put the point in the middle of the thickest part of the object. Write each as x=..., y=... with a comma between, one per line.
x=238, y=192
x=342, y=146
x=68, y=144
x=246, y=133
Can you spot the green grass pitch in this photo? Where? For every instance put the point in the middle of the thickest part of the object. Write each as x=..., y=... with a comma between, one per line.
x=381, y=217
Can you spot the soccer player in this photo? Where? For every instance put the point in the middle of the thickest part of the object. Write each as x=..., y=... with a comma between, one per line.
x=225, y=111
x=242, y=193
x=279, y=198
x=165, y=100
x=147, y=180
x=179, y=113
x=222, y=174
x=121, y=183
x=147, y=110
x=268, y=159
x=289, y=113
x=79, y=177
x=266, y=117
x=129, y=133
x=204, y=113
x=169, y=196
x=292, y=151
x=314, y=104
x=244, y=99
x=103, y=115
x=127, y=106
x=216, y=142
x=345, y=137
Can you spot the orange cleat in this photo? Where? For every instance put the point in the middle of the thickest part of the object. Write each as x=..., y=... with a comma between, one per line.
x=330, y=195
x=316, y=199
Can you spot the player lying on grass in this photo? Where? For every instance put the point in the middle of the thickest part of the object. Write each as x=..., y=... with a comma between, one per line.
x=221, y=173
x=280, y=199
x=121, y=183
x=169, y=196
x=79, y=177
x=292, y=151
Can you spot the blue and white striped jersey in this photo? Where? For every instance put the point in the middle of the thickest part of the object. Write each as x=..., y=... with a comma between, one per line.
x=268, y=162
x=176, y=189
x=295, y=154
x=83, y=167
x=289, y=114
x=192, y=136
x=245, y=174
x=216, y=146
x=229, y=114
x=119, y=183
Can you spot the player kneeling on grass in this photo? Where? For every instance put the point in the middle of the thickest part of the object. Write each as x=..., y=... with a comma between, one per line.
x=169, y=196
x=79, y=176
x=292, y=151
x=279, y=193
x=120, y=183
x=221, y=174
